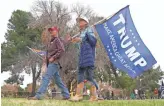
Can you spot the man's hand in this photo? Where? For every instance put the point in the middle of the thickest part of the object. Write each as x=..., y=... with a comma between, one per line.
x=44, y=59
x=51, y=59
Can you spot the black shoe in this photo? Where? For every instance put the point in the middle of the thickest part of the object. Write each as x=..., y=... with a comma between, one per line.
x=65, y=98
x=32, y=98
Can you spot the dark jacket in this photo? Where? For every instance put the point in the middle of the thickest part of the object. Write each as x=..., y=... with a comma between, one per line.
x=55, y=48
x=87, y=51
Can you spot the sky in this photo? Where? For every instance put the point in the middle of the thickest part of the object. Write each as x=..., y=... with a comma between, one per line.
x=148, y=17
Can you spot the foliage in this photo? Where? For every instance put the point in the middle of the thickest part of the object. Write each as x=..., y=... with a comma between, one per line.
x=15, y=55
x=150, y=78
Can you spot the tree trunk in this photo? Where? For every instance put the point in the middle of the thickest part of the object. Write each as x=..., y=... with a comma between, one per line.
x=33, y=87
x=69, y=86
x=33, y=81
x=114, y=71
x=35, y=76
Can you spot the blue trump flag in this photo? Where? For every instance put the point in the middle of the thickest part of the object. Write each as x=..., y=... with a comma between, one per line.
x=123, y=44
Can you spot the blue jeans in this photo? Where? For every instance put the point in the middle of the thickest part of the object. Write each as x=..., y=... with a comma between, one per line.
x=88, y=72
x=52, y=72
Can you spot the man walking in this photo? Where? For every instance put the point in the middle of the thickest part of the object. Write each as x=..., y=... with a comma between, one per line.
x=55, y=50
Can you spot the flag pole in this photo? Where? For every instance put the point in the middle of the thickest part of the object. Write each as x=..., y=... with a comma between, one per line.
x=35, y=52
x=101, y=21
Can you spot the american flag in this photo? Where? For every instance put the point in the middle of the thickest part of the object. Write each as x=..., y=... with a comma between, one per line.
x=40, y=53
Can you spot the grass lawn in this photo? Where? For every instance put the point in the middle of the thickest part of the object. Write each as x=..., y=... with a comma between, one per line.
x=25, y=102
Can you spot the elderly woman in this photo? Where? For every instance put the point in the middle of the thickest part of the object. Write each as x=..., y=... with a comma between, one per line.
x=86, y=59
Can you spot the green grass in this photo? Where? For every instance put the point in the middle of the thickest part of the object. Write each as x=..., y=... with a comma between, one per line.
x=25, y=102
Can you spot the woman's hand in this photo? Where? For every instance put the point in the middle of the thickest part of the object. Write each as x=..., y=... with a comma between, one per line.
x=75, y=40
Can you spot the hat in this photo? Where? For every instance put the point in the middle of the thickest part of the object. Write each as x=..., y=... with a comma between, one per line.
x=82, y=18
x=53, y=29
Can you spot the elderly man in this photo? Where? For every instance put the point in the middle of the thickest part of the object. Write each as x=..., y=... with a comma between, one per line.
x=86, y=59
x=55, y=49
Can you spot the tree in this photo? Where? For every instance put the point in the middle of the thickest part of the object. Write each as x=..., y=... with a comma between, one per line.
x=51, y=13
x=15, y=56
x=15, y=78
x=149, y=79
